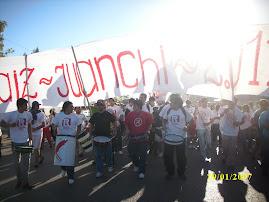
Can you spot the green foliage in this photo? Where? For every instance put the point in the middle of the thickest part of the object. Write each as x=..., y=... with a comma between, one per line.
x=3, y=25
x=35, y=50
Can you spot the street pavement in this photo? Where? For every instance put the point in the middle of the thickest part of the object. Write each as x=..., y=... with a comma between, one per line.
x=123, y=184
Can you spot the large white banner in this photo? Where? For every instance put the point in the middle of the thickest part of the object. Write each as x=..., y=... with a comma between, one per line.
x=135, y=64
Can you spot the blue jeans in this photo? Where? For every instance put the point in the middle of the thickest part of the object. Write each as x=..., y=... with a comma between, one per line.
x=99, y=151
x=70, y=171
x=21, y=163
x=138, y=154
x=204, y=137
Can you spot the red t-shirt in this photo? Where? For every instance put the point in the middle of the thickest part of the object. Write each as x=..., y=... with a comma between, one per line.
x=138, y=123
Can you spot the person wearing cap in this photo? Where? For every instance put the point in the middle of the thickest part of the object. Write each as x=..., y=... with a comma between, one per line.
x=38, y=123
x=19, y=122
x=100, y=126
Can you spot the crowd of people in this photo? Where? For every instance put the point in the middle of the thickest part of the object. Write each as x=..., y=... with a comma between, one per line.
x=153, y=126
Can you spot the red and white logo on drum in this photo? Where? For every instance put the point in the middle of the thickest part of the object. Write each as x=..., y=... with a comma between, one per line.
x=138, y=122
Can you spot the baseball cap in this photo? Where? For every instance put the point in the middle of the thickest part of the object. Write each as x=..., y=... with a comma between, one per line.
x=35, y=103
x=101, y=102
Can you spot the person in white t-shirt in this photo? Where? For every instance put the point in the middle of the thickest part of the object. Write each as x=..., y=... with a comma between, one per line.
x=191, y=139
x=83, y=126
x=176, y=122
x=215, y=127
x=69, y=124
x=245, y=129
x=117, y=141
x=232, y=117
x=38, y=123
x=20, y=126
x=203, y=127
x=146, y=107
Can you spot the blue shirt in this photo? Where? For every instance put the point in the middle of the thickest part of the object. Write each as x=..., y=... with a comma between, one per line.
x=264, y=119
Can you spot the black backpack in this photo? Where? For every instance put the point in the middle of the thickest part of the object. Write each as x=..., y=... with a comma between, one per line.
x=156, y=116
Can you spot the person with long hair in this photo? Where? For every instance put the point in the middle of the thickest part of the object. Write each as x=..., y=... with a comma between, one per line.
x=69, y=124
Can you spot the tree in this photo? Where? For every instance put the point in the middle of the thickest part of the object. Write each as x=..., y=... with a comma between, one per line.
x=35, y=50
x=3, y=25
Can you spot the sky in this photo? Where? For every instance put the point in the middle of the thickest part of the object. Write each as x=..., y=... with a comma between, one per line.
x=51, y=24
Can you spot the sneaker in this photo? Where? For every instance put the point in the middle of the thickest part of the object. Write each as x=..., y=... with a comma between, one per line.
x=110, y=169
x=71, y=181
x=141, y=176
x=27, y=186
x=63, y=173
x=136, y=169
x=98, y=175
x=120, y=152
x=18, y=185
x=160, y=155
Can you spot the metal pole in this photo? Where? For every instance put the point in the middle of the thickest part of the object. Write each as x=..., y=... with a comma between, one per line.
x=26, y=68
x=84, y=91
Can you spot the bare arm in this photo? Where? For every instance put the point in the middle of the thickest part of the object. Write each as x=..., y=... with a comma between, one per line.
x=6, y=125
x=30, y=131
x=164, y=122
x=78, y=130
x=39, y=127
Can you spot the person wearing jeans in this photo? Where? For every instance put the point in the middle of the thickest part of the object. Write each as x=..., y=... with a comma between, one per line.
x=203, y=124
x=19, y=122
x=138, y=124
x=100, y=127
x=70, y=125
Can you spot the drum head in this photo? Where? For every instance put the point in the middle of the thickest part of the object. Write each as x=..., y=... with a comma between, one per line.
x=101, y=139
x=173, y=138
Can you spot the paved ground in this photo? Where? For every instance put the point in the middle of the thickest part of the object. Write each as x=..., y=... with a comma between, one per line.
x=124, y=185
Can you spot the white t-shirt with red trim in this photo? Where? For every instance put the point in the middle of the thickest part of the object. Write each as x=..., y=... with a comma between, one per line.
x=19, y=133
x=67, y=124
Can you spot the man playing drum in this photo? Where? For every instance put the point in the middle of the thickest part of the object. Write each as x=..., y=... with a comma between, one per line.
x=176, y=122
x=100, y=129
x=69, y=125
x=21, y=133
x=138, y=124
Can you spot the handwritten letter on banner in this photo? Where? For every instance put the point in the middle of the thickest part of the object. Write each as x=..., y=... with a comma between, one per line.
x=128, y=65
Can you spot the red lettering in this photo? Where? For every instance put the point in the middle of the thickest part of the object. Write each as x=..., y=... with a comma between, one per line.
x=142, y=67
x=26, y=83
x=16, y=84
x=58, y=89
x=258, y=46
x=120, y=68
x=75, y=94
x=10, y=93
x=45, y=81
x=164, y=66
x=95, y=86
x=99, y=70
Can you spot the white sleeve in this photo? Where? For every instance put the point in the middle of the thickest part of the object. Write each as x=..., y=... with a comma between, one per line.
x=7, y=117
x=189, y=116
x=55, y=120
x=165, y=116
x=30, y=117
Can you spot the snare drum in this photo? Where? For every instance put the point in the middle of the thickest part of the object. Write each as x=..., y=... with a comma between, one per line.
x=23, y=149
x=173, y=139
x=101, y=141
x=84, y=140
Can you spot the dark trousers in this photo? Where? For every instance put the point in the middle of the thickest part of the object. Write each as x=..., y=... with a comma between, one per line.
x=151, y=142
x=215, y=132
x=117, y=141
x=265, y=154
x=70, y=171
x=138, y=154
x=169, y=158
